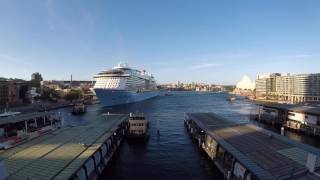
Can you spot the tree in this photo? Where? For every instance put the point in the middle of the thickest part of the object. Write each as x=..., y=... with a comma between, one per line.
x=49, y=94
x=74, y=94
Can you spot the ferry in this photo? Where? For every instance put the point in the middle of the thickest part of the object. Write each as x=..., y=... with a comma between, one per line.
x=231, y=98
x=138, y=127
x=79, y=108
x=124, y=85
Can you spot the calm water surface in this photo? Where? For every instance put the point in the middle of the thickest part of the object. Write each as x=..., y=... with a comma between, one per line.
x=173, y=155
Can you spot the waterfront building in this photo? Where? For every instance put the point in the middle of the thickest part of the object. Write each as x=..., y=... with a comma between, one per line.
x=200, y=87
x=284, y=87
x=13, y=92
x=306, y=87
x=266, y=86
x=292, y=88
x=4, y=93
x=304, y=118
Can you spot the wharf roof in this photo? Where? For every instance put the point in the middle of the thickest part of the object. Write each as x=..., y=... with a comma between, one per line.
x=308, y=109
x=22, y=117
x=265, y=154
x=59, y=154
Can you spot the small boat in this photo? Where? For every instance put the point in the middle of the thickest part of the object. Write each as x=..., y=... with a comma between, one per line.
x=138, y=127
x=232, y=98
x=79, y=108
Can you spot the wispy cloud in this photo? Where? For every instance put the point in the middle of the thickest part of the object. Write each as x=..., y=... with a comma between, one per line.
x=295, y=56
x=22, y=68
x=204, y=66
x=55, y=21
x=49, y=7
x=230, y=56
x=65, y=21
x=5, y=58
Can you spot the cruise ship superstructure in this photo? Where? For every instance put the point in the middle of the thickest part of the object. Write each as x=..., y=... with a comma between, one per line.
x=124, y=85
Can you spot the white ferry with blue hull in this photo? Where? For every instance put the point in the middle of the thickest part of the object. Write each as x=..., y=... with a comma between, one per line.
x=124, y=85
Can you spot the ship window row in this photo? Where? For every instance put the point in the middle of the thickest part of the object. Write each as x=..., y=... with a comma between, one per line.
x=107, y=81
x=107, y=78
x=136, y=131
x=102, y=83
x=137, y=124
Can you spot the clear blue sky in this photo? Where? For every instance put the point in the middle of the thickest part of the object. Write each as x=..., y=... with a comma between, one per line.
x=204, y=40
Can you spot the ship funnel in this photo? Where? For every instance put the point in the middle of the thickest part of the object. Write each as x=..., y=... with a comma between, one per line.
x=121, y=65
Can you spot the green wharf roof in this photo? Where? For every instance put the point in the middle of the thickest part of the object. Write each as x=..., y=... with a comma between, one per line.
x=59, y=154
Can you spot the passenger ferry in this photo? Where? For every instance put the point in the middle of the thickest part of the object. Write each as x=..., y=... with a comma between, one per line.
x=123, y=85
x=138, y=127
x=79, y=108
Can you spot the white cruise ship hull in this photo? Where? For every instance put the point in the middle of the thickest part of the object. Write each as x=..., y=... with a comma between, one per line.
x=109, y=97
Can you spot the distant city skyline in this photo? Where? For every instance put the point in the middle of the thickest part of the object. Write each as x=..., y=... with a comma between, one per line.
x=189, y=41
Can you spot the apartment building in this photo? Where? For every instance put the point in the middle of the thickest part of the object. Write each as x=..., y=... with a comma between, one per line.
x=293, y=88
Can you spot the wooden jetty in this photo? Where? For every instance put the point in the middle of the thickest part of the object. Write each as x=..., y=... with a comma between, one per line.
x=244, y=151
x=71, y=152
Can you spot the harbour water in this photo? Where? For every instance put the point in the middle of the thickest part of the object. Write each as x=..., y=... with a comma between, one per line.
x=172, y=155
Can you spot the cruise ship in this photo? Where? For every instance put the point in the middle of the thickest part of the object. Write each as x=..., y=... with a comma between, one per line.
x=124, y=85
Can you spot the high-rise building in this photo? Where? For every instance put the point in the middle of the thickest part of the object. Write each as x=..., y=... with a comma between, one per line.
x=284, y=86
x=266, y=85
x=306, y=87
x=294, y=88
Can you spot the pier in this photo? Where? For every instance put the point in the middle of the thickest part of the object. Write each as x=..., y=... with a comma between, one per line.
x=71, y=152
x=244, y=151
x=301, y=118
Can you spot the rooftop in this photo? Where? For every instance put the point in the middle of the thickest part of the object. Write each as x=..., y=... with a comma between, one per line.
x=59, y=154
x=266, y=154
x=309, y=109
x=22, y=117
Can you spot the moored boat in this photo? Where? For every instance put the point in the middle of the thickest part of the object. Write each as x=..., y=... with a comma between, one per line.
x=138, y=127
x=231, y=98
x=124, y=85
x=79, y=108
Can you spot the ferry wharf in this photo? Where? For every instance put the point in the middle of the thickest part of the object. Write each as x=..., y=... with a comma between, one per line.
x=244, y=151
x=70, y=152
x=297, y=117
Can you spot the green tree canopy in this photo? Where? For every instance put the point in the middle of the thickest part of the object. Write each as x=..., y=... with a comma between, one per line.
x=74, y=94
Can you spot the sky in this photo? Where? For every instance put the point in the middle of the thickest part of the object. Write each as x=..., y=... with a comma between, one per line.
x=176, y=40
